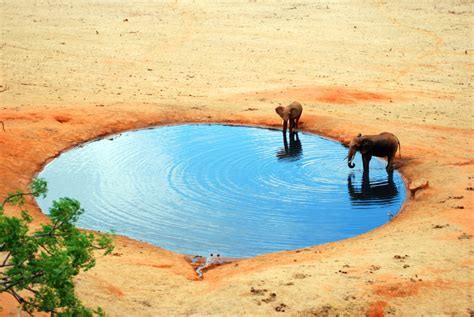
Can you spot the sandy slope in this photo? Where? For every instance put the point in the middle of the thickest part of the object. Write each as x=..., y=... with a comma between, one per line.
x=73, y=71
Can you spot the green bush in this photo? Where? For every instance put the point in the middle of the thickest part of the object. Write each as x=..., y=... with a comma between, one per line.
x=37, y=268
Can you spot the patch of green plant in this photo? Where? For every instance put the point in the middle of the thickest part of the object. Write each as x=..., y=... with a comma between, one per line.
x=37, y=267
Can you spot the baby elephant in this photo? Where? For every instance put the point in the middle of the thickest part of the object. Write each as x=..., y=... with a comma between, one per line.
x=382, y=145
x=291, y=113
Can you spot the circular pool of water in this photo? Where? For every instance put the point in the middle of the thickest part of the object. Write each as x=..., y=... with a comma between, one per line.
x=233, y=190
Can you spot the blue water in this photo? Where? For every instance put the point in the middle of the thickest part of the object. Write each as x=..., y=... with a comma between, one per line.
x=236, y=191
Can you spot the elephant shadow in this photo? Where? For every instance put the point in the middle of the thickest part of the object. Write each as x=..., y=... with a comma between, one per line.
x=291, y=151
x=369, y=193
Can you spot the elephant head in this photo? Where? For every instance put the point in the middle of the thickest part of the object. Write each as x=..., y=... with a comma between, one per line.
x=359, y=143
x=287, y=113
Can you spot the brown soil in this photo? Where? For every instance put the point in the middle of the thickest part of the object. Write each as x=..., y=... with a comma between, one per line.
x=94, y=69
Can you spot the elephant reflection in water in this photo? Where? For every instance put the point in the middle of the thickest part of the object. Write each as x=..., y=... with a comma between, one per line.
x=291, y=151
x=382, y=192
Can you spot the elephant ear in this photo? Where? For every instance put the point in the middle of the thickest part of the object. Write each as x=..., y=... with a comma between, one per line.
x=294, y=113
x=280, y=110
x=366, y=145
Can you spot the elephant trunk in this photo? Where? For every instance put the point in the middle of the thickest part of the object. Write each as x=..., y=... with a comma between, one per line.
x=350, y=157
x=285, y=125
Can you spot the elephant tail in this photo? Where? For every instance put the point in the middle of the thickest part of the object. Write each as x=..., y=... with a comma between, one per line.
x=399, y=149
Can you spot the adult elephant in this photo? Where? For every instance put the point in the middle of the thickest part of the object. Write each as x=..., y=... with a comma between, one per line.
x=381, y=145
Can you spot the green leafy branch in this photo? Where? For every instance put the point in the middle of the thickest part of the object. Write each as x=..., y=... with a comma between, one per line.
x=38, y=268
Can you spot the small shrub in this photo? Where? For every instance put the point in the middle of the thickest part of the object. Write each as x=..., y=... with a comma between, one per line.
x=37, y=268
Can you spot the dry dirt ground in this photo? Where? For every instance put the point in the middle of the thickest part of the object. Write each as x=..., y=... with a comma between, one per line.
x=75, y=70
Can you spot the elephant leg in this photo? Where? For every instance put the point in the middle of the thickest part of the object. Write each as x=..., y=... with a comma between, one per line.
x=390, y=163
x=366, y=160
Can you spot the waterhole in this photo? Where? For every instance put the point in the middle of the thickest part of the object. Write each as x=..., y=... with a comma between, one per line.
x=237, y=191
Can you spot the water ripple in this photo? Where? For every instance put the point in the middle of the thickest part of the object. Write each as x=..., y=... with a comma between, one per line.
x=236, y=191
